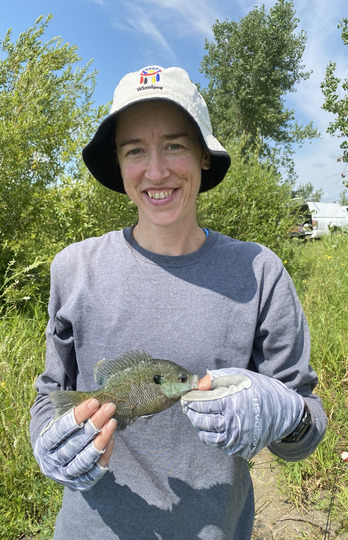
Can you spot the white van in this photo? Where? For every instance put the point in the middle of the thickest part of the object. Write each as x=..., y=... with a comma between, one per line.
x=318, y=218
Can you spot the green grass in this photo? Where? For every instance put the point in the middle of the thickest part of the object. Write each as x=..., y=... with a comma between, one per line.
x=320, y=273
x=29, y=502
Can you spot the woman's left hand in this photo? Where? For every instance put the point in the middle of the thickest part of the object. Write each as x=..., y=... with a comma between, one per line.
x=243, y=412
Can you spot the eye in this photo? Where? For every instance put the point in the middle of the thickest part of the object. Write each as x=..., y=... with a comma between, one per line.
x=182, y=378
x=174, y=146
x=157, y=379
x=134, y=152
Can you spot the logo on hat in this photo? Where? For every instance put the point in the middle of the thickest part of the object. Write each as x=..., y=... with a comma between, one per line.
x=152, y=73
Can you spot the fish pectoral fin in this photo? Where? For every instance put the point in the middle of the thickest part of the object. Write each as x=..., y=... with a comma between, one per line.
x=123, y=422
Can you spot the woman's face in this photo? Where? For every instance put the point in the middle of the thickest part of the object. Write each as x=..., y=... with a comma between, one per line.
x=160, y=158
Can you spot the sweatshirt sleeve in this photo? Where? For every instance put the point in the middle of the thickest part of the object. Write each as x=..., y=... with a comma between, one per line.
x=295, y=451
x=60, y=363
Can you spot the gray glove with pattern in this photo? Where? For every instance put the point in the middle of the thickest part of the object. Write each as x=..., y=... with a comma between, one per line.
x=66, y=453
x=243, y=412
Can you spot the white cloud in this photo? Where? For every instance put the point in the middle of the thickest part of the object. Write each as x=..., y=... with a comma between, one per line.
x=165, y=20
x=146, y=25
x=137, y=20
x=185, y=16
x=164, y=28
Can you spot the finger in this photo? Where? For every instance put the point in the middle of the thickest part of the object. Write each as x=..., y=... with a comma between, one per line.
x=83, y=462
x=206, y=422
x=84, y=456
x=75, y=443
x=85, y=410
x=213, y=438
x=104, y=437
x=103, y=414
x=205, y=383
x=104, y=460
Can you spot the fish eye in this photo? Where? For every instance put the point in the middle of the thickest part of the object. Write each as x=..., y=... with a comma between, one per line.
x=157, y=379
x=182, y=377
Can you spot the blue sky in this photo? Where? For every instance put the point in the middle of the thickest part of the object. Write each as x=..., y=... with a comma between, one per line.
x=126, y=35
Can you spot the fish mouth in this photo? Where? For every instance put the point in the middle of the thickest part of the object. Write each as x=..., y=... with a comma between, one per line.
x=194, y=383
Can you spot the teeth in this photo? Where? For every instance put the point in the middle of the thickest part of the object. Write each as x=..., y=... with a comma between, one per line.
x=159, y=194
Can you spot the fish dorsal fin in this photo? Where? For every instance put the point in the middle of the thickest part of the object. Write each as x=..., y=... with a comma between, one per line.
x=104, y=369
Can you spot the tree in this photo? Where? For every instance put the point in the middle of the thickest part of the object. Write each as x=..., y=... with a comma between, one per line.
x=251, y=65
x=306, y=192
x=46, y=111
x=336, y=100
x=251, y=203
x=48, y=198
x=343, y=198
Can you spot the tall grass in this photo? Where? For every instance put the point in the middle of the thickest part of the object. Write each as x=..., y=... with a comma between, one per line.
x=320, y=273
x=29, y=502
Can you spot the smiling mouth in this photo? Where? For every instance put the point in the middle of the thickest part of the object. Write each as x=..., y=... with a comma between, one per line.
x=159, y=194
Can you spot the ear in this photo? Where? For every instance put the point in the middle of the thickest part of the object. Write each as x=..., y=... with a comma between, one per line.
x=206, y=160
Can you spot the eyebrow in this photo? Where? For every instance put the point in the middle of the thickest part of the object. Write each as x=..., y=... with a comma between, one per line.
x=169, y=136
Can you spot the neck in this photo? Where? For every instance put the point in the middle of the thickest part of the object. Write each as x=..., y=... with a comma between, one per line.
x=170, y=240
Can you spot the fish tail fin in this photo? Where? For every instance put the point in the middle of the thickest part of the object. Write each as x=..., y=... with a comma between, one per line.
x=66, y=400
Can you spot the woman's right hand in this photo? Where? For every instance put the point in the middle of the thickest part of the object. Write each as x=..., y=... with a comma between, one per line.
x=75, y=449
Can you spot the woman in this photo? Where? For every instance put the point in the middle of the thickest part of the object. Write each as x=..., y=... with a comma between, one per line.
x=190, y=295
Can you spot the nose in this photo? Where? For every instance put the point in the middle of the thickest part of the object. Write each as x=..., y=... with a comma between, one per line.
x=156, y=168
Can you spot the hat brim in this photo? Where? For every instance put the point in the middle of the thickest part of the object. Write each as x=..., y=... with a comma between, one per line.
x=99, y=156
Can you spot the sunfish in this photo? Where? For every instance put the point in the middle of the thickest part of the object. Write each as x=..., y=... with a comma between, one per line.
x=136, y=383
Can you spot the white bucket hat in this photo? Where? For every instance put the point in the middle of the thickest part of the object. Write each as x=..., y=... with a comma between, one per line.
x=154, y=83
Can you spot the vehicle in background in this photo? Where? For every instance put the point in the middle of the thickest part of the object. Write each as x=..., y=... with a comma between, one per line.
x=319, y=218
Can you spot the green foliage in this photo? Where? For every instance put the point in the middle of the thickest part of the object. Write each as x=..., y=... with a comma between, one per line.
x=251, y=203
x=320, y=276
x=46, y=111
x=251, y=65
x=29, y=502
x=67, y=213
x=19, y=284
x=47, y=197
x=306, y=192
x=343, y=199
x=336, y=99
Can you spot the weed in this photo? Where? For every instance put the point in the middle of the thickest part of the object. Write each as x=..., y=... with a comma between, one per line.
x=28, y=501
x=320, y=277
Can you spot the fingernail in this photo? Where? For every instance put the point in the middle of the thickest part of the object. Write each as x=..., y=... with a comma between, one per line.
x=111, y=425
x=93, y=404
x=109, y=408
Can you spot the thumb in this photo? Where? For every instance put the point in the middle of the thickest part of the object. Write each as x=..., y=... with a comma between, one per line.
x=205, y=383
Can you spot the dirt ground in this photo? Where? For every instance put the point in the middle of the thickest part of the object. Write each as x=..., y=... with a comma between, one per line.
x=277, y=519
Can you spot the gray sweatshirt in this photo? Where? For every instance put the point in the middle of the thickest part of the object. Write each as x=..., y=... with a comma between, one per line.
x=230, y=303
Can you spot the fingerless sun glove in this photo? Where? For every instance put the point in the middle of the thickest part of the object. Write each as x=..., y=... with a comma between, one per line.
x=66, y=453
x=243, y=412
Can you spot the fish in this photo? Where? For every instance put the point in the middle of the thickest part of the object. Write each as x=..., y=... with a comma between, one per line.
x=138, y=385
